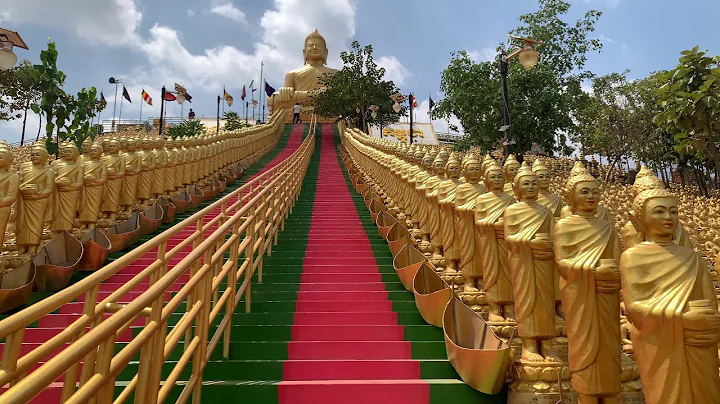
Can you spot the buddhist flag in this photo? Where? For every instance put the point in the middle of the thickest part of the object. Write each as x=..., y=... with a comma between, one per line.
x=242, y=95
x=269, y=90
x=229, y=98
x=103, y=103
x=146, y=97
x=126, y=95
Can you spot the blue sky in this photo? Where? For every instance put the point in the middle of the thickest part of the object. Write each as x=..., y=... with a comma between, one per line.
x=205, y=44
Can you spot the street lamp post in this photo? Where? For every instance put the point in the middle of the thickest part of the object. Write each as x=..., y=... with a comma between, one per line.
x=9, y=39
x=113, y=80
x=528, y=57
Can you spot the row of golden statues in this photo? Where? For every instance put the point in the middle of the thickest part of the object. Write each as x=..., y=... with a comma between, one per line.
x=604, y=300
x=114, y=177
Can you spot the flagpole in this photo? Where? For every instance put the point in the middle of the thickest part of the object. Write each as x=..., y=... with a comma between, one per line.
x=246, y=111
x=224, y=101
x=162, y=109
x=217, y=128
x=141, y=103
x=120, y=115
x=262, y=83
x=115, y=105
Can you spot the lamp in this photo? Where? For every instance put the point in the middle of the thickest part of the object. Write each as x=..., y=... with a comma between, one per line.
x=180, y=98
x=529, y=57
x=373, y=114
x=396, y=107
x=8, y=58
x=8, y=40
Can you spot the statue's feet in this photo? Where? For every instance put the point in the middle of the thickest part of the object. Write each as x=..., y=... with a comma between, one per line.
x=529, y=356
x=470, y=288
x=549, y=352
x=494, y=318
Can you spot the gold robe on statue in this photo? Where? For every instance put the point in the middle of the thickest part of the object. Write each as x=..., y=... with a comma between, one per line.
x=147, y=175
x=466, y=241
x=432, y=211
x=592, y=319
x=552, y=202
x=493, y=252
x=66, y=202
x=93, y=195
x=158, y=185
x=658, y=281
x=114, y=185
x=533, y=279
x=419, y=209
x=446, y=197
x=132, y=178
x=30, y=215
x=9, y=182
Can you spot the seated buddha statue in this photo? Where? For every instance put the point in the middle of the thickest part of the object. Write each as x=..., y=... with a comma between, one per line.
x=301, y=84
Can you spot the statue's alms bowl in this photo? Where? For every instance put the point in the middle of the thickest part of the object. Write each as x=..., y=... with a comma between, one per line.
x=96, y=247
x=57, y=261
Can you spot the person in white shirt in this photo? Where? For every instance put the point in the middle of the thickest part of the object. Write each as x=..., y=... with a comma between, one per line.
x=296, y=113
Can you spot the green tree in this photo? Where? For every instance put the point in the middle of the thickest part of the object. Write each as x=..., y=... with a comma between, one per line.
x=233, y=121
x=50, y=82
x=351, y=91
x=690, y=105
x=190, y=127
x=542, y=101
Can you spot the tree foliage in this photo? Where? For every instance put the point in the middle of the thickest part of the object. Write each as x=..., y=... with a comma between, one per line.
x=18, y=90
x=233, y=121
x=542, y=101
x=191, y=127
x=690, y=105
x=356, y=87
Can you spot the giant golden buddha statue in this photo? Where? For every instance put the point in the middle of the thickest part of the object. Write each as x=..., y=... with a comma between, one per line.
x=671, y=303
x=301, y=84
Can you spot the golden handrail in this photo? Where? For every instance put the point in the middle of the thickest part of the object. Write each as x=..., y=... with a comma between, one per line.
x=247, y=226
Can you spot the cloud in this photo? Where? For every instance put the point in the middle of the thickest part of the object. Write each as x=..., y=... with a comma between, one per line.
x=394, y=70
x=190, y=12
x=607, y=39
x=109, y=22
x=482, y=55
x=228, y=10
x=12, y=130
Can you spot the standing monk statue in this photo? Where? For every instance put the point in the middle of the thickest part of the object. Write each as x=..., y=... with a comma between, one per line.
x=465, y=237
x=95, y=178
x=528, y=234
x=9, y=183
x=68, y=185
x=670, y=300
x=301, y=84
x=587, y=254
x=37, y=183
x=115, y=177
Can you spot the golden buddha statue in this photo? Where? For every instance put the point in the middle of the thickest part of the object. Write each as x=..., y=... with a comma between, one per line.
x=159, y=170
x=37, y=183
x=133, y=167
x=301, y=84
x=587, y=254
x=510, y=168
x=493, y=253
x=170, y=182
x=545, y=197
x=645, y=180
x=147, y=172
x=446, y=203
x=421, y=211
x=671, y=304
x=9, y=185
x=68, y=184
x=85, y=148
x=115, y=164
x=188, y=155
x=95, y=177
x=528, y=234
x=433, y=212
x=465, y=239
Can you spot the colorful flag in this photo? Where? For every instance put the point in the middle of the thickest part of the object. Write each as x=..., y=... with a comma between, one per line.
x=103, y=103
x=432, y=104
x=229, y=98
x=146, y=97
x=188, y=98
x=413, y=101
x=269, y=90
x=242, y=95
x=126, y=95
x=170, y=96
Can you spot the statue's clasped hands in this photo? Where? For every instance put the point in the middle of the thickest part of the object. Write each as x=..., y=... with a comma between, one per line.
x=542, y=247
x=701, y=324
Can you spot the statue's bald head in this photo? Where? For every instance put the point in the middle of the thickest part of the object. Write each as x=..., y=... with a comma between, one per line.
x=315, y=47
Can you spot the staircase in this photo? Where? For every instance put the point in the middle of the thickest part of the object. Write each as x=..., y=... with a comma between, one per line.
x=331, y=322
x=52, y=324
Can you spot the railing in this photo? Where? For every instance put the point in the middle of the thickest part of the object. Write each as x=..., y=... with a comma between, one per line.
x=227, y=250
